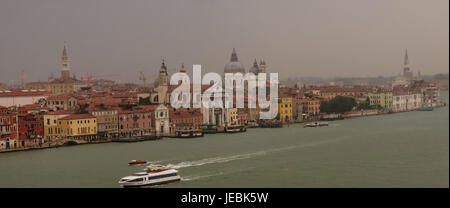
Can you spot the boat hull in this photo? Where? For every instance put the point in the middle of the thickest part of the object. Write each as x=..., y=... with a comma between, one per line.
x=152, y=182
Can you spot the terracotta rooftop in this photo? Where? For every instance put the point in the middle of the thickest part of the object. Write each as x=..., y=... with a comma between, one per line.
x=23, y=93
x=77, y=116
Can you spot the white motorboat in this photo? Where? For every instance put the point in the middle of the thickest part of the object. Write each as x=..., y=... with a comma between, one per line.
x=154, y=175
x=316, y=124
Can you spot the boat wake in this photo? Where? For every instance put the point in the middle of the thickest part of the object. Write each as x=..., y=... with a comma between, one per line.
x=196, y=177
x=154, y=162
x=225, y=159
x=192, y=178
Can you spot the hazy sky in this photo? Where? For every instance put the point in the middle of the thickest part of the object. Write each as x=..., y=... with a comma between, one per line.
x=296, y=38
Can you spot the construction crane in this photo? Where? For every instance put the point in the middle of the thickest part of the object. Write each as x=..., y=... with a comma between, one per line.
x=142, y=77
x=89, y=77
x=145, y=78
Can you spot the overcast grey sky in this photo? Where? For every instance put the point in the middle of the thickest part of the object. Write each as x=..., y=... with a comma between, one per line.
x=296, y=38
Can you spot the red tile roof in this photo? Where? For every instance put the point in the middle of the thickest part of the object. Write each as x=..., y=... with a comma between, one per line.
x=77, y=116
x=23, y=93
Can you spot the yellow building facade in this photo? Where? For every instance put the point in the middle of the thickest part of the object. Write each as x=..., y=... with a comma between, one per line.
x=382, y=98
x=232, y=117
x=78, y=126
x=285, y=109
x=51, y=125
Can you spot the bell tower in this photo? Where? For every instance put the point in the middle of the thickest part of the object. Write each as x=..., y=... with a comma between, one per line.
x=65, y=69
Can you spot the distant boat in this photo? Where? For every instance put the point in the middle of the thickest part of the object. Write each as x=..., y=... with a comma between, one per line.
x=235, y=129
x=188, y=133
x=209, y=129
x=137, y=162
x=425, y=109
x=316, y=124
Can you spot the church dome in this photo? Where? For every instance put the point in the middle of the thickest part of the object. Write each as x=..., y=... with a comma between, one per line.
x=255, y=68
x=234, y=65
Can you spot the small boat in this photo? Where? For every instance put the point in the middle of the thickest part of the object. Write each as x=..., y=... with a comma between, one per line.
x=316, y=124
x=189, y=133
x=137, y=162
x=209, y=129
x=235, y=129
x=153, y=175
x=425, y=109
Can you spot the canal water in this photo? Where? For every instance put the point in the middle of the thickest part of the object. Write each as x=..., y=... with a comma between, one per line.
x=397, y=150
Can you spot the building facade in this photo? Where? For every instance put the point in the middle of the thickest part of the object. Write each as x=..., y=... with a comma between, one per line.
x=107, y=121
x=78, y=127
x=51, y=124
x=285, y=109
x=62, y=102
x=162, y=122
x=9, y=129
x=406, y=101
x=382, y=98
x=31, y=129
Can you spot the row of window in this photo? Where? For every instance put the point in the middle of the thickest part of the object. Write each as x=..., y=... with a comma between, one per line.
x=153, y=177
x=104, y=113
x=82, y=130
x=81, y=121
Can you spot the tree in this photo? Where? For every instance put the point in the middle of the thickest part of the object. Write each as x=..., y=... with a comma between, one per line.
x=144, y=101
x=365, y=105
x=339, y=104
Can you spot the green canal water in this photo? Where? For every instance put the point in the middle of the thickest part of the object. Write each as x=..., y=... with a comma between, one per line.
x=397, y=150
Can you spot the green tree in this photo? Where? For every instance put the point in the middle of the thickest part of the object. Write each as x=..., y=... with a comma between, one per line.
x=144, y=101
x=339, y=104
x=365, y=105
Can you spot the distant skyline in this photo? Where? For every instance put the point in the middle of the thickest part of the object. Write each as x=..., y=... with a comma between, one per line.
x=321, y=38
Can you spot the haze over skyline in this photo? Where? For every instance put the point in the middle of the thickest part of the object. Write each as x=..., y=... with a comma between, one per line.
x=296, y=38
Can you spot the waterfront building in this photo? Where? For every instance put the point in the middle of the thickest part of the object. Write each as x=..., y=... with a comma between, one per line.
x=242, y=116
x=297, y=109
x=162, y=122
x=430, y=92
x=381, y=97
x=31, y=129
x=9, y=134
x=78, y=127
x=285, y=108
x=232, y=117
x=61, y=102
x=311, y=108
x=185, y=120
x=253, y=115
x=406, y=100
x=136, y=121
x=213, y=116
x=107, y=120
x=51, y=124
